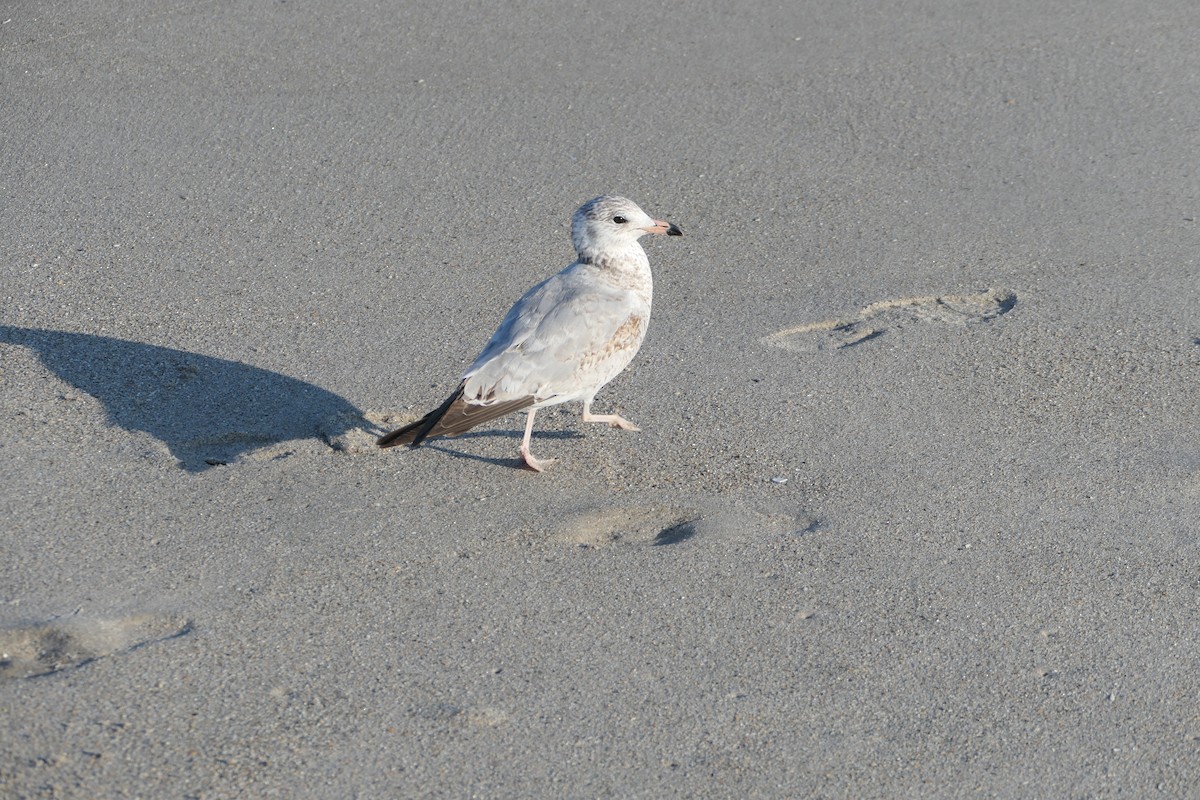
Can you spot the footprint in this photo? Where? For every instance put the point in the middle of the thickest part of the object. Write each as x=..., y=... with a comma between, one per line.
x=474, y=717
x=220, y=450
x=637, y=525
x=486, y=717
x=346, y=433
x=662, y=526
x=877, y=318
x=64, y=643
x=350, y=433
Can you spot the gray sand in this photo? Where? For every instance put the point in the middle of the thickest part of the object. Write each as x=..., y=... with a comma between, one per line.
x=915, y=506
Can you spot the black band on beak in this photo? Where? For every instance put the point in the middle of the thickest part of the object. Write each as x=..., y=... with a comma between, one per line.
x=674, y=230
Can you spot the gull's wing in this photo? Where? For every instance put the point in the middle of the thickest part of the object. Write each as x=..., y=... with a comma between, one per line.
x=547, y=335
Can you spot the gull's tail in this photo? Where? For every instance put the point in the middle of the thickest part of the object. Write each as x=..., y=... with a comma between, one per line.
x=451, y=418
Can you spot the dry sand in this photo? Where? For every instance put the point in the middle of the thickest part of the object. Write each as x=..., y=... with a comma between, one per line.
x=915, y=506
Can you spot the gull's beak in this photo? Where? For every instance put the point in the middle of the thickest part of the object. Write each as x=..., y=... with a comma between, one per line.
x=662, y=226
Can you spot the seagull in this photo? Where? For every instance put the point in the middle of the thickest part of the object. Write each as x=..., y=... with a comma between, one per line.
x=565, y=338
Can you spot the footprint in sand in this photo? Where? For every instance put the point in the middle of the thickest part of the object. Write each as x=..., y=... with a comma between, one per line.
x=41, y=649
x=661, y=526
x=355, y=434
x=637, y=525
x=877, y=318
x=349, y=433
x=474, y=717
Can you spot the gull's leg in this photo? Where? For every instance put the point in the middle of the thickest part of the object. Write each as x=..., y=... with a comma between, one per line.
x=613, y=420
x=535, y=464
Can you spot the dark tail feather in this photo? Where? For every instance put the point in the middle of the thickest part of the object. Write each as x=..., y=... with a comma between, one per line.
x=451, y=418
x=414, y=433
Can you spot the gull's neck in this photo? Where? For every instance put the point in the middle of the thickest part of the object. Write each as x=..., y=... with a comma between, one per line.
x=625, y=267
x=628, y=256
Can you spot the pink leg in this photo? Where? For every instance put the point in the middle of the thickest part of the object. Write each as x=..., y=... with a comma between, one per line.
x=613, y=420
x=535, y=464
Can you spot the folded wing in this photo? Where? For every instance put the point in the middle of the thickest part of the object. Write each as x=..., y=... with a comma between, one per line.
x=554, y=330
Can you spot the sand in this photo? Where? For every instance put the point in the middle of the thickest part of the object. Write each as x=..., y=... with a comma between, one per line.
x=914, y=509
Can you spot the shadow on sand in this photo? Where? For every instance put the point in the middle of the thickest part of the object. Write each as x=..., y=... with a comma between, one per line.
x=206, y=410
x=445, y=445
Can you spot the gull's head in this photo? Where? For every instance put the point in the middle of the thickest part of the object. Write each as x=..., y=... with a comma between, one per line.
x=612, y=224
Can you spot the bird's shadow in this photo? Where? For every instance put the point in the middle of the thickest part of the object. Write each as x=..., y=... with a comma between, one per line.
x=205, y=410
x=441, y=445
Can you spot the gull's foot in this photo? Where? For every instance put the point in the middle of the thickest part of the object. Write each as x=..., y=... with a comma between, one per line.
x=535, y=464
x=613, y=420
x=622, y=423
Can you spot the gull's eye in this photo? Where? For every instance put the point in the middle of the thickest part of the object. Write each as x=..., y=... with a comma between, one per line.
x=620, y=220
